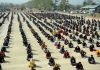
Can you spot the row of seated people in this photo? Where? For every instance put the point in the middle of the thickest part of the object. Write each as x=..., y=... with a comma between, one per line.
x=66, y=54
x=4, y=18
x=77, y=33
x=70, y=22
x=84, y=44
x=91, y=40
x=85, y=37
x=41, y=23
x=78, y=41
x=48, y=55
x=42, y=44
x=29, y=58
x=2, y=14
x=5, y=44
x=96, y=34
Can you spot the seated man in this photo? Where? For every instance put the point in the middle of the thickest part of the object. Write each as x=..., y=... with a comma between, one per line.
x=87, y=33
x=6, y=41
x=79, y=66
x=84, y=44
x=98, y=53
x=98, y=44
x=32, y=64
x=66, y=41
x=65, y=33
x=58, y=45
x=91, y=60
x=85, y=37
x=83, y=53
x=52, y=38
x=51, y=61
x=93, y=35
x=71, y=37
x=62, y=50
x=70, y=45
x=29, y=56
x=2, y=56
x=92, y=48
x=91, y=40
x=70, y=31
x=59, y=36
x=81, y=35
x=43, y=45
x=74, y=38
x=49, y=37
x=77, y=49
x=98, y=36
x=45, y=50
x=79, y=41
x=66, y=54
x=60, y=31
x=76, y=33
x=62, y=38
x=73, y=61
x=3, y=49
x=48, y=54
x=56, y=67
x=29, y=49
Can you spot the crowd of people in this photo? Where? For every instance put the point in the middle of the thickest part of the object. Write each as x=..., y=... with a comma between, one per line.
x=61, y=28
x=77, y=28
x=6, y=41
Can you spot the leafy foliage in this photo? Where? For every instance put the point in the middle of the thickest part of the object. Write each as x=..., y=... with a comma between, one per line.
x=64, y=5
x=42, y=4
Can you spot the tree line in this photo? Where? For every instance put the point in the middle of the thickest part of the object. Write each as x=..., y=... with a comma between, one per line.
x=56, y=5
x=61, y=5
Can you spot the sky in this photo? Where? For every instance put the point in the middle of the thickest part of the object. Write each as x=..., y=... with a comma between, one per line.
x=14, y=1
x=75, y=2
x=81, y=1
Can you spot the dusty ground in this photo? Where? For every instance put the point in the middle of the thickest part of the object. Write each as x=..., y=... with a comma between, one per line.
x=16, y=59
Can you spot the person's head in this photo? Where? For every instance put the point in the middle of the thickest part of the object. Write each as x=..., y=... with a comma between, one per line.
x=91, y=55
x=79, y=62
x=97, y=42
x=77, y=46
x=66, y=50
x=46, y=48
x=81, y=50
x=51, y=58
x=72, y=57
x=56, y=65
x=48, y=51
x=28, y=44
x=59, y=42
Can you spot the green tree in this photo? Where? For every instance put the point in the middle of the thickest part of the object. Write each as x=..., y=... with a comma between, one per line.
x=55, y=4
x=88, y=2
x=64, y=5
x=42, y=4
